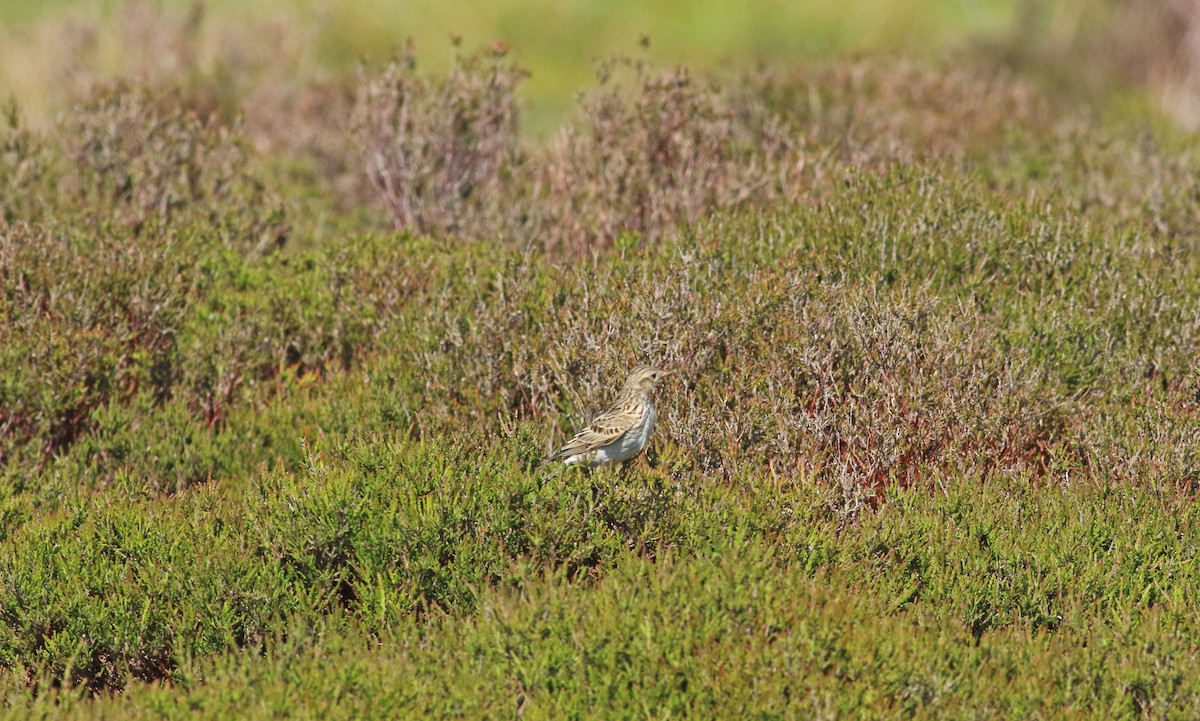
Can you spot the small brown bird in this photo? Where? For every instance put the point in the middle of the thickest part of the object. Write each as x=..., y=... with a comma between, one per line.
x=622, y=431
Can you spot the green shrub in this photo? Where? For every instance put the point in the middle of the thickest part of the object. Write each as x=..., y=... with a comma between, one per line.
x=931, y=450
x=992, y=599
x=441, y=152
x=667, y=151
x=86, y=319
x=102, y=325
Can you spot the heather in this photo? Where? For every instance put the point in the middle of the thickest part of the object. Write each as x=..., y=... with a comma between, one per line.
x=279, y=362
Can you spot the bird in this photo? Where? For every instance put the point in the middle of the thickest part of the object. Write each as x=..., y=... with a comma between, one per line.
x=621, y=432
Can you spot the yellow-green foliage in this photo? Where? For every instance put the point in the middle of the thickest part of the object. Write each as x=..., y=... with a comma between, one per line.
x=398, y=577
x=931, y=451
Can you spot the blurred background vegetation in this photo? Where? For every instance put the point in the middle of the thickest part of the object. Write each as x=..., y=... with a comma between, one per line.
x=1132, y=56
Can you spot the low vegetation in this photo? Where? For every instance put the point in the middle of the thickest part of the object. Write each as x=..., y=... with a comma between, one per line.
x=273, y=397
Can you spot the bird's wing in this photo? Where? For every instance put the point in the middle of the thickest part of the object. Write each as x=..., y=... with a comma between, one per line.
x=603, y=430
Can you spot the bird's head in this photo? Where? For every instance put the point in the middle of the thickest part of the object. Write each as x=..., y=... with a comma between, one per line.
x=644, y=379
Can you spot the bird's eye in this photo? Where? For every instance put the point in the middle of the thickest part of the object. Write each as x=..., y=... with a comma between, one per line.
x=654, y=376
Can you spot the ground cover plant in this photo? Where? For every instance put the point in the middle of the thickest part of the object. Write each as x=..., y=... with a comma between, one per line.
x=274, y=390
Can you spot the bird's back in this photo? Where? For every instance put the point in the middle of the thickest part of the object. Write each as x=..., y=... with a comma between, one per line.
x=601, y=443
